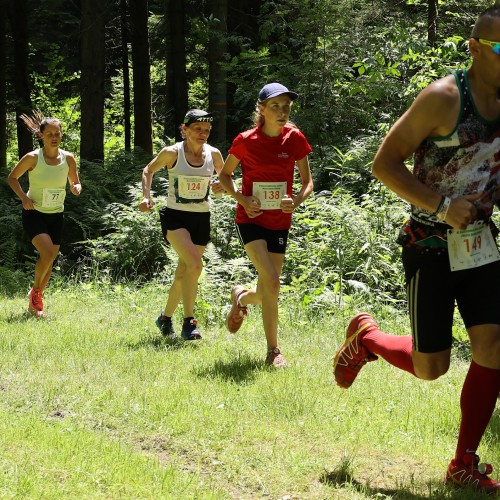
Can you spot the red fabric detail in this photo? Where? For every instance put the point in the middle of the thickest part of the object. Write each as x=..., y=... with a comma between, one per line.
x=396, y=350
x=268, y=159
x=477, y=402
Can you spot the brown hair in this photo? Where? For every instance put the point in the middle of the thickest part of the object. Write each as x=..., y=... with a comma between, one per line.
x=485, y=20
x=36, y=122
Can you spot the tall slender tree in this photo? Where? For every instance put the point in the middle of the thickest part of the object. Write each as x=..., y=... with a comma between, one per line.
x=125, y=71
x=18, y=21
x=243, y=27
x=3, y=94
x=432, y=17
x=217, y=74
x=143, y=130
x=177, y=86
x=92, y=80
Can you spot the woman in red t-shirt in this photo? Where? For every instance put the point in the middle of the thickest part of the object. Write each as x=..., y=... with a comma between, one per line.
x=267, y=155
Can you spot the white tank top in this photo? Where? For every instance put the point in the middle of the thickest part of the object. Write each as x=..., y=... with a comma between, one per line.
x=189, y=186
x=47, y=184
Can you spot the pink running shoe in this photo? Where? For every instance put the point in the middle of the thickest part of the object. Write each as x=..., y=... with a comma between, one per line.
x=36, y=304
x=275, y=358
x=470, y=473
x=234, y=318
x=352, y=354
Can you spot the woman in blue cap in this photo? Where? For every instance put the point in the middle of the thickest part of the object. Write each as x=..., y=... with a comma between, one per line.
x=267, y=154
x=185, y=221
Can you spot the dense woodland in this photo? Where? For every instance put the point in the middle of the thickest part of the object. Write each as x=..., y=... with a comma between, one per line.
x=120, y=74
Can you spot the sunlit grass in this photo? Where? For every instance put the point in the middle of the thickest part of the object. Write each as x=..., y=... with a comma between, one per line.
x=95, y=403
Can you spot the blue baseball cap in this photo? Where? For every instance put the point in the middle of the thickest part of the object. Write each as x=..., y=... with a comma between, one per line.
x=274, y=89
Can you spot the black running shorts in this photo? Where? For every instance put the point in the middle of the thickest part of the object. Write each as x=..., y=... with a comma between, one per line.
x=276, y=239
x=197, y=224
x=432, y=291
x=35, y=223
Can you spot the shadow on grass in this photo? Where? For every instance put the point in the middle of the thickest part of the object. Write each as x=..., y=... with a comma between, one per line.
x=239, y=370
x=341, y=478
x=22, y=317
x=160, y=343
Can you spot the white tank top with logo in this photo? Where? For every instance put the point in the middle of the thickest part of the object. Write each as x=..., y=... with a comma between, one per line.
x=189, y=186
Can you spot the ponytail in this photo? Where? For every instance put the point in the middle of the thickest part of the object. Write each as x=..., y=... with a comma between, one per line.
x=37, y=122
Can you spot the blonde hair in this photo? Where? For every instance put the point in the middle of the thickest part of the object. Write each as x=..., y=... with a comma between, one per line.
x=258, y=117
x=36, y=122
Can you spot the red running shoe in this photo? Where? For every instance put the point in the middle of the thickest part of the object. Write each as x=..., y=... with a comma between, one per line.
x=236, y=315
x=469, y=473
x=36, y=304
x=352, y=354
x=275, y=358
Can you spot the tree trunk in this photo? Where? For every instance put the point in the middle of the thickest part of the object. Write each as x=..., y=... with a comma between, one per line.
x=242, y=22
x=3, y=96
x=169, y=123
x=177, y=86
x=217, y=74
x=92, y=80
x=432, y=16
x=143, y=132
x=126, y=74
x=19, y=29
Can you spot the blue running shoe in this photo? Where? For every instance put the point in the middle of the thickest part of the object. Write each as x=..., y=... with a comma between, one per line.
x=190, y=330
x=165, y=325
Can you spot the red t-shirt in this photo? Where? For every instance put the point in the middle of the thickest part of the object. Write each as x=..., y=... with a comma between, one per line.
x=268, y=159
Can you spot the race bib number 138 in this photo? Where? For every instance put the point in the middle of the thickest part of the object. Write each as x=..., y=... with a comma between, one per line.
x=269, y=194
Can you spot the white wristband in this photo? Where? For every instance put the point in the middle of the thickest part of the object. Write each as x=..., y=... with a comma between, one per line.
x=443, y=211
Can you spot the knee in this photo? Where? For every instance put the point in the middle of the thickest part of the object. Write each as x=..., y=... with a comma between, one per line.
x=487, y=353
x=272, y=286
x=195, y=267
x=48, y=257
x=180, y=272
x=432, y=372
x=494, y=349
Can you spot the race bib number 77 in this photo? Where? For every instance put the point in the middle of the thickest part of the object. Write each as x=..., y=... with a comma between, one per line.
x=53, y=198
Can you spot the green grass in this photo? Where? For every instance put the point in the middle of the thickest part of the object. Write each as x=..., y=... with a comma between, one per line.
x=96, y=404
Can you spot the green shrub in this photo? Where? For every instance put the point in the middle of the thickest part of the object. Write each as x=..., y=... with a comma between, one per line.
x=341, y=246
x=131, y=245
x=13, y=281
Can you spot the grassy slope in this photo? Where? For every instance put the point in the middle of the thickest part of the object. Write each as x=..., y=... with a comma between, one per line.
x=95, y=404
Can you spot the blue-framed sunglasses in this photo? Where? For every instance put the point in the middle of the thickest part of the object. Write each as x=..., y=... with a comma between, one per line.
x=495, y=46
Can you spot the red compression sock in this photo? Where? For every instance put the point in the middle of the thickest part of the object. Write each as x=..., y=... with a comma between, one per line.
x=477, y=402
x=396, y=350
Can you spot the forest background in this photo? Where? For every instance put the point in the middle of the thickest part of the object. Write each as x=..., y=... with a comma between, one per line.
x=121, y=74
x=95, y=403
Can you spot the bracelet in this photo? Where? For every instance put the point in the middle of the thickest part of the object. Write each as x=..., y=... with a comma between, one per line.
x=443, y=211
x=440, y=206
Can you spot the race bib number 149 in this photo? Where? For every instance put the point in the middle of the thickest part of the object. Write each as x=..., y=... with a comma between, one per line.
x=472, y=247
